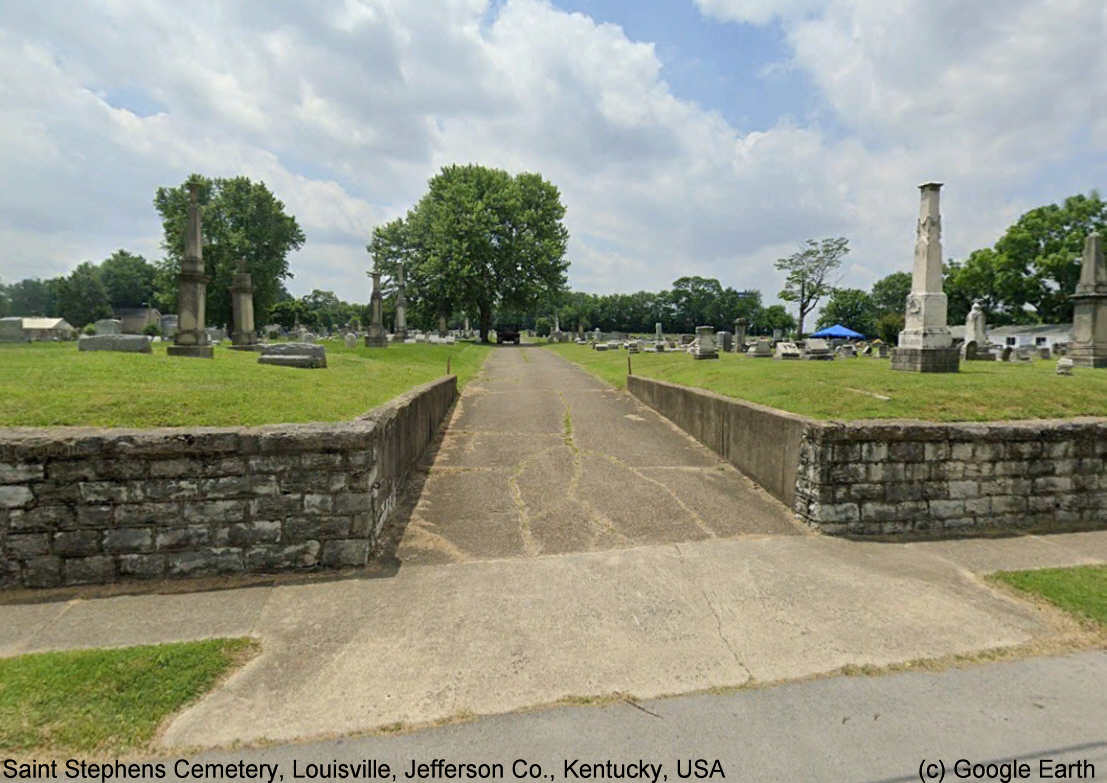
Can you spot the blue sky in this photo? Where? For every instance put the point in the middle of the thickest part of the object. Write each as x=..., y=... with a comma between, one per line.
x=703, y=137
x=737, y=69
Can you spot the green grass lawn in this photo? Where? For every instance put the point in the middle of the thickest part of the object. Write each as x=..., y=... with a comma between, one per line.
x=1081, y=590
x=844, y=388
x=45, y=384
x=106, y=700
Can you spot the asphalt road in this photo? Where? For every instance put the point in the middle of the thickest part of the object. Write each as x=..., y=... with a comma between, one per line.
x=882, y=728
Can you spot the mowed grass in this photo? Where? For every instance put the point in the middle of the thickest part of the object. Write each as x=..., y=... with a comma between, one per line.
x=83, y=701
x=844, y=389
x=43, y=384
x=1081, y=590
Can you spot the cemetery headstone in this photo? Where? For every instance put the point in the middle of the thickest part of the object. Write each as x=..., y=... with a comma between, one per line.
x=351, y=340
x=304, y=355
x=1065, y=365
x=724, y=341
x=1044, y=352
x=401, y=307
x=124, y=343
x=109, y=326
x=786, y=350
x=375, y=337
x=705, y=343
x=761, y=349
x=191, y=340
x=740, y=335
x=926, y=344
x=243, y=337
x=817, y=349
x=1089, y=318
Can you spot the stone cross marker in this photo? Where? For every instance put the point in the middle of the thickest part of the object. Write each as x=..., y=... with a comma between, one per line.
x=925, y=344
x=376, y=338
x=243, y=337
x=191, y=339
x=1089, y=317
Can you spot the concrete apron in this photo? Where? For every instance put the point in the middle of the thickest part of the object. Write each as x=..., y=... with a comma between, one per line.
x=436, y=642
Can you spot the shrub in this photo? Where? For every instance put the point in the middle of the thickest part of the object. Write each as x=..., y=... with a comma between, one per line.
x=151, y=330
x=89, y=329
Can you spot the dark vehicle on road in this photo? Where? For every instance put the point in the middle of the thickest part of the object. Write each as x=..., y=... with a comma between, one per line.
x=507, y=334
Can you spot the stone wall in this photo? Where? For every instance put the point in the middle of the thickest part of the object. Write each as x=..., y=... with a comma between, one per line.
x=895, y=477
x=83, y=505
x=903, y=477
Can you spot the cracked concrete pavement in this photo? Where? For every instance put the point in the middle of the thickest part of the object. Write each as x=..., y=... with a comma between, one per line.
x=543, y=458
x=564, y=543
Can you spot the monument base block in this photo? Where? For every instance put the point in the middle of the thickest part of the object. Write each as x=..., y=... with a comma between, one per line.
x=380, y=341
x=926, y=359
x=1087, y=356
x=259, y=347
x=195, y=351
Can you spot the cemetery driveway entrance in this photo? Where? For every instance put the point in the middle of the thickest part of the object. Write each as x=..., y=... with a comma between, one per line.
x=540, y=457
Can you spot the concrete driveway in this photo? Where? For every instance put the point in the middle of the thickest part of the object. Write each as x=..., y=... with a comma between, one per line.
x=542, y=458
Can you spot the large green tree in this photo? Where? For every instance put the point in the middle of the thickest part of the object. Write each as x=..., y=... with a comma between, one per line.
x=128, y=279
x=889, y=294
x=82, y=297
x=480, y=240
x=852, y=308
x=809, y=273
x=1032, y=270
x=32, y=296
x=242, y=220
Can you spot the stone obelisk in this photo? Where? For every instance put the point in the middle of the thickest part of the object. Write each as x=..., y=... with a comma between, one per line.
x=925, y=344
x=191, y=339
x=401, y=309
x=376, y=338
x=243, y=337
x=1089, y=317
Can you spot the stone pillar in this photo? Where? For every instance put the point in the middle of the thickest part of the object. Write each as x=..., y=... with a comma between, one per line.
x=244, y=337
x=401, y=309
x=740, y=335
x=465, y=331
x=441, y=326
x=1089, y=317
x=191, y=339
x=925, y=344
x=657, y=335
x=376, y=338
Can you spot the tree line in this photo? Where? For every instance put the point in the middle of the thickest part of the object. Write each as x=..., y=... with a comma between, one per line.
x=242, y=220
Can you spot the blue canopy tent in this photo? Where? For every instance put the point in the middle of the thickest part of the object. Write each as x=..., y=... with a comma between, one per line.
x=837, y=331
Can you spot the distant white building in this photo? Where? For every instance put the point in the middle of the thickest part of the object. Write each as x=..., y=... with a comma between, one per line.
x=1020, y=335
x=48, y=329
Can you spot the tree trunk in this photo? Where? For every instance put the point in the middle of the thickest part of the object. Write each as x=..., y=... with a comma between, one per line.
x=485, y=323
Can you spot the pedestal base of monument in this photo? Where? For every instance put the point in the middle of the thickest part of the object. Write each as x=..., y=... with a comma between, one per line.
x=380, y=341
x=259, y=347
x=926, y=359
x=195, y=351
x=1087, y=355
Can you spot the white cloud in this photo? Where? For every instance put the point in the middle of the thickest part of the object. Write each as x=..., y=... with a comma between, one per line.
x=346, y=110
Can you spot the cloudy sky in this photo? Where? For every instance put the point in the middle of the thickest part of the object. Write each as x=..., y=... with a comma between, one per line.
x=687, y=136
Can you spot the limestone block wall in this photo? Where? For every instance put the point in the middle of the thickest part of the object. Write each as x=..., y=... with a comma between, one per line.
x=895, y=477
x=83, y=505
x=902, y=477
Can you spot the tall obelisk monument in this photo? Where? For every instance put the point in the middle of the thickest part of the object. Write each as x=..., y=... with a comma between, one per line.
x=191, y=339
x=1089, y=317
x=925, y=344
